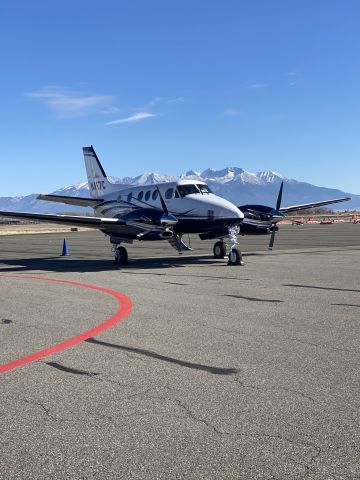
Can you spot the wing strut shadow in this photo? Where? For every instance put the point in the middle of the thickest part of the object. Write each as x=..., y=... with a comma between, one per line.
x=157, y=356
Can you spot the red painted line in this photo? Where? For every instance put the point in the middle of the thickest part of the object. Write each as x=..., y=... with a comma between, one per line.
x=123, y=311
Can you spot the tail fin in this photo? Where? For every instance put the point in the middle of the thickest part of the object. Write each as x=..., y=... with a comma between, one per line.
x=99, y=185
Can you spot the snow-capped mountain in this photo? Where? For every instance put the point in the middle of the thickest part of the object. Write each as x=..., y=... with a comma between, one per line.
x=232, y=183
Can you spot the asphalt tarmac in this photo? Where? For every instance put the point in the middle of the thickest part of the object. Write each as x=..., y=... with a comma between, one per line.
x=218, y=372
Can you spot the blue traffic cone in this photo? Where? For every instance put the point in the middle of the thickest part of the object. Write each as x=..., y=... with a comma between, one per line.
x=65, y=250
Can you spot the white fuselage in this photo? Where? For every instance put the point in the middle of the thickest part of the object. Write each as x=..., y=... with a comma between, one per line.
x=192, y=202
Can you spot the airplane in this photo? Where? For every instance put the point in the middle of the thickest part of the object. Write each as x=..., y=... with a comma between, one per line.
x=263, y=219
x=164, y=211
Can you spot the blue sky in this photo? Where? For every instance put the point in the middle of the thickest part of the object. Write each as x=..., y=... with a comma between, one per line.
x=170, y=85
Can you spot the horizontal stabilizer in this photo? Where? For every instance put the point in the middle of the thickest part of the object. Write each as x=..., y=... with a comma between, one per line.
x=78, y=201
x=304, y=206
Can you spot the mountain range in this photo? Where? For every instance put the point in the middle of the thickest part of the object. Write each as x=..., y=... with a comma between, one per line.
x=232, y=183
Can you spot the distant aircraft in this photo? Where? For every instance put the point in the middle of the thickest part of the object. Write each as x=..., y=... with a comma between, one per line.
x=164, y=211
x=262, y=219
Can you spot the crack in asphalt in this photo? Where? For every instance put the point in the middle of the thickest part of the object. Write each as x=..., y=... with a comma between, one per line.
x=285, y=389
x=193, y=417
x=190, y=414
x=45, y=409
x=321, y=345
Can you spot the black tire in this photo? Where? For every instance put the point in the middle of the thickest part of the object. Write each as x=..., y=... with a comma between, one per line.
x=235, y=257
x=121, y=256
x=219, y=250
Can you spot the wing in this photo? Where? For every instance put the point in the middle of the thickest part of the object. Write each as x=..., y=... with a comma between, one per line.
x=304, y=206
x=74, y=220
x=78, y=201
x=141, y=224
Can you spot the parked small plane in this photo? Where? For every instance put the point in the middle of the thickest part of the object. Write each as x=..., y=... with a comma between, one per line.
x=164, y=211
x=262, y=219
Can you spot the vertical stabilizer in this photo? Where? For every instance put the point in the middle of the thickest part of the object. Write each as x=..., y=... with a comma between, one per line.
x=99, y=185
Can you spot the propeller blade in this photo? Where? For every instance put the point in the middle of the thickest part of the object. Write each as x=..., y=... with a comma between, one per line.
x=278, y=202
x=278, y=205
x=272, y=240
x=166, y=219
x=163, y=204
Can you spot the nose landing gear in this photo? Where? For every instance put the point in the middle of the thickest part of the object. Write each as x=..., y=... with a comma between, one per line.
x=234, y=255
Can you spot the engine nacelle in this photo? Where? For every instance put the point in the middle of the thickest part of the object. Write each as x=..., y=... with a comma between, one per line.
x=149, y=216
x=152, y=236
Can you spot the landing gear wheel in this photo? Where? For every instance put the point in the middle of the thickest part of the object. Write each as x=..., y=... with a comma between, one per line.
x=121, y=256
x=235, y=257
x=219, y=250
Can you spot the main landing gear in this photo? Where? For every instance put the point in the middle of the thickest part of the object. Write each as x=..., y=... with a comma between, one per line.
x=234, y=255
x=219, y=249
x=121, y=255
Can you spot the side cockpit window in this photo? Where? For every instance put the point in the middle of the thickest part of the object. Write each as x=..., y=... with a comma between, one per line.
x=169, y=193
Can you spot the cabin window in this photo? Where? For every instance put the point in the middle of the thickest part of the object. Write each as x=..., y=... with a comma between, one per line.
x=187, y=189
x=147, y=195
x=129, y=197
x=169, y=193
x=140, y=196
x=176, y=194
x=155, y=194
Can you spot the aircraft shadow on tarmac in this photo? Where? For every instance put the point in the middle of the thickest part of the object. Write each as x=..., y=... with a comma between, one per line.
x=58, y=264
x=163, y=358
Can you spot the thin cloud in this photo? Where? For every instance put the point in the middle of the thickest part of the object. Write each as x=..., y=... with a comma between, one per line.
x=169, y=101
x=67, y=103
x=134, y=118
x=257, y=86
x=231, y=112
x=165, y=100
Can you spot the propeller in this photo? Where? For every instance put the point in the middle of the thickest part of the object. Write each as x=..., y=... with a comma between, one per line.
x=278, y=201
x=162, y=201
x=167, y=218
x=278, y=205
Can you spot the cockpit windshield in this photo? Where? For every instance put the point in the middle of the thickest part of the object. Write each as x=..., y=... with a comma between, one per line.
x=187, y=189
x=192, y=188
x=203, y=188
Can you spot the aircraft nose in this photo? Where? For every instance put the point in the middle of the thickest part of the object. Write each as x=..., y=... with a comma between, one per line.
x=232, y=211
